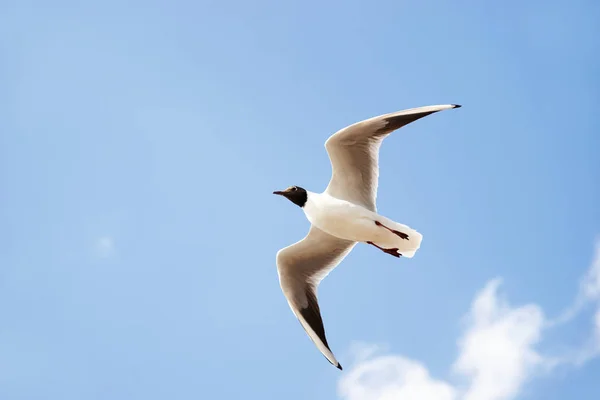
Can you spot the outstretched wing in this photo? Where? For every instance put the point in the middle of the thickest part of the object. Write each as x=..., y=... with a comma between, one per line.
x=301, y=268
x=354, y=154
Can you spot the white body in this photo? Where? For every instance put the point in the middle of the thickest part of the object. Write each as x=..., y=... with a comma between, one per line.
x=346, y=220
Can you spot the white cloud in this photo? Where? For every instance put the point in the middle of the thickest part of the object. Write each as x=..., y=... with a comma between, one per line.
x=393, y=378
x=105, y=246
x=497, y=353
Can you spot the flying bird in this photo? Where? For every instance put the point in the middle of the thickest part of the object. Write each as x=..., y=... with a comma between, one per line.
x=343, y=215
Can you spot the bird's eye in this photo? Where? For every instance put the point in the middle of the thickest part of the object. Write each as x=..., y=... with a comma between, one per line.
x=294, y=189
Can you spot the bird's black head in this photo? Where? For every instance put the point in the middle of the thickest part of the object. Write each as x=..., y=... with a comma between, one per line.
x=295, y=194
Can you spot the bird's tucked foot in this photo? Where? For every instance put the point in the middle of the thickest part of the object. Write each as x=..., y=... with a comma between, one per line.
x=401, y=234
x=393, y=252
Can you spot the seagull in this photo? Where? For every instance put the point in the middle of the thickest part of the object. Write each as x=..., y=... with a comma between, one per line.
x=342, y=216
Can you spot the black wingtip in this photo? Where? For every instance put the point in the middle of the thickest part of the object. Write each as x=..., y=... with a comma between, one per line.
x=339, y=366
x=456, y=105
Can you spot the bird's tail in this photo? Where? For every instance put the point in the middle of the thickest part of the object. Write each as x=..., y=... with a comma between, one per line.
x=408, y=241
x=408, y=247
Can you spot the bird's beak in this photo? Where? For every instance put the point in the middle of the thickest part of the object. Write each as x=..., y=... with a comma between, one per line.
x=279, y=192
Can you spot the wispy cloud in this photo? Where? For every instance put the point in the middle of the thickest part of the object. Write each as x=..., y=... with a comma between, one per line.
x=497, y=352
x=590, y=285
x=597, y=330
x=589, y=291
x=104, y=246
x=588, y=294
x=592, y=347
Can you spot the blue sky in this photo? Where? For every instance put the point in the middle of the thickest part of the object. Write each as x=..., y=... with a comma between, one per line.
x=140, y=145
